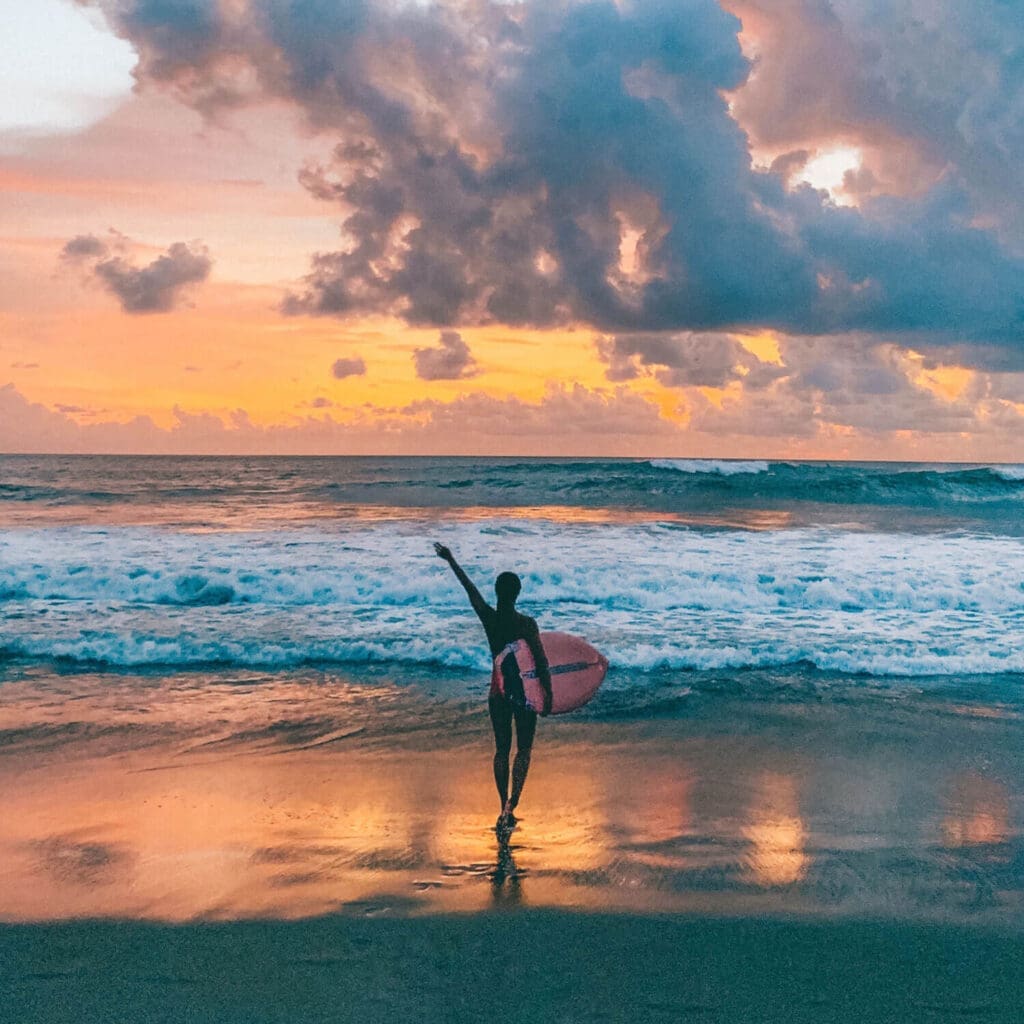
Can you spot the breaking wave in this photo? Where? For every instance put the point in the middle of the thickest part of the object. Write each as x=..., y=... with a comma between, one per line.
x=226, y=493
x=653, y=596
x=723, y=467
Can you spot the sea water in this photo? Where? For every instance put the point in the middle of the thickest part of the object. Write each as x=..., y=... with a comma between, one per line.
x=234, y=687
x=892, y=571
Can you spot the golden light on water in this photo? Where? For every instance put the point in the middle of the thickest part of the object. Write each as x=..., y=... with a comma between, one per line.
x=257, y=834
x=776, y=832
x=179, y=835
x=287, y=800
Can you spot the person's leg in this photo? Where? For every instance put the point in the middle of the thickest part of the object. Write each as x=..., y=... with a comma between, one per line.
x=501, y=722
x=526, y=726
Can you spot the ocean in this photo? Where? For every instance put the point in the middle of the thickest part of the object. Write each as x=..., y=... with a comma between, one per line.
x=893, y=572
x=247, y=687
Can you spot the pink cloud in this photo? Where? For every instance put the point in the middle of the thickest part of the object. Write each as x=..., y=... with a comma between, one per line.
x=565, y=420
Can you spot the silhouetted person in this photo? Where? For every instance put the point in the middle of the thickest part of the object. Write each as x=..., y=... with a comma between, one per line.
x=503, y=626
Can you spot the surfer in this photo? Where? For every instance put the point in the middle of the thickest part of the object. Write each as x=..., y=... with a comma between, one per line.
x=504, y=625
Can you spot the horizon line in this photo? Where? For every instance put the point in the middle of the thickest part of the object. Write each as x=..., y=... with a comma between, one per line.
x=535, y=458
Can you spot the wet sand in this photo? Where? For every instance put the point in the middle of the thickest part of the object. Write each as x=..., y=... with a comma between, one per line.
x=307, y=846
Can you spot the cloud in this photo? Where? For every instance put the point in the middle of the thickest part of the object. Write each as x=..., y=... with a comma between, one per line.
x=805, y=412
x=544, y=163
x=342, y=368
x=927, y=87
x=858, y=386
x=562, y=421
x=84, y=247
x=154, y=288
x=861, y=384
x=684, y=360
x=450, y=359
x=564, y=411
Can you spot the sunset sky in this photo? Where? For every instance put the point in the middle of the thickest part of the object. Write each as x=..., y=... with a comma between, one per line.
x=766, y=228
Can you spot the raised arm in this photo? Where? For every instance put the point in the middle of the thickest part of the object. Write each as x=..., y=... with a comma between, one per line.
x=480, y=606
x=540, y=660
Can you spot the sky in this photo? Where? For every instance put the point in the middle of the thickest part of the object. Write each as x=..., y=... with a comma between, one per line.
x=748, y=228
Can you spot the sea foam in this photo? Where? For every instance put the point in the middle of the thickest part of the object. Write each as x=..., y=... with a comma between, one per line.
x=653, y=597
x=720, y=467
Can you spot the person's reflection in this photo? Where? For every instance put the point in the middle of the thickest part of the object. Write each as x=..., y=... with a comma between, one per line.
x=505, y=886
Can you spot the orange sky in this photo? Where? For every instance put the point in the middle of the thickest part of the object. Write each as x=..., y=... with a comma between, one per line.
x=156, y=173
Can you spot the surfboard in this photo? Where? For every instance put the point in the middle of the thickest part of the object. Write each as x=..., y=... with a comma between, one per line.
x=577, y=670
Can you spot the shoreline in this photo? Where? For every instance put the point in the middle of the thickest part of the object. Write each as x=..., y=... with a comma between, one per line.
x=213, y=797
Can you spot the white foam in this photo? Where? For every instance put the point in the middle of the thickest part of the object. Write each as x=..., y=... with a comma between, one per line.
x=719, y=467
x=651, y=596
x=1012, y=473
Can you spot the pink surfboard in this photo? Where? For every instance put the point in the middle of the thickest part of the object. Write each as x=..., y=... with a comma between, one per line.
x=577, y=670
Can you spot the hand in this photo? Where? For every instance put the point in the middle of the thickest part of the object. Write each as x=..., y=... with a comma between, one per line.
x=442, y=552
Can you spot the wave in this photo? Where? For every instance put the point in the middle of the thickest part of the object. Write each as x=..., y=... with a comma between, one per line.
x=155, y=652
x=646, y=568
x=722, y=467
x=221, y=494
x=652, y=597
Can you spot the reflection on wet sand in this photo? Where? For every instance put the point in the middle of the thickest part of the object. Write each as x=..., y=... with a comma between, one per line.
x=776, y=832
x=978, y=812
x=227, y=816
x=506, y=878
x=303, y=834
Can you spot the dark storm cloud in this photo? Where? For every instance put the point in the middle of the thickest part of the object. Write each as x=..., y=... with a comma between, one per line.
x=989, y=358
x=342, y=368
x=450, y=359
x=494, y=158
x=913, y=266
x=154, y=288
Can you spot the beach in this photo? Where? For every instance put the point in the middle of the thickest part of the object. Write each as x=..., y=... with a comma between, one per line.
x=607, y=968
x=237, y=783
x=726, y=858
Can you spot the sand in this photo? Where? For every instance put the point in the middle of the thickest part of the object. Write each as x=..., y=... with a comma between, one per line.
x=521, y=966
x=308, y=847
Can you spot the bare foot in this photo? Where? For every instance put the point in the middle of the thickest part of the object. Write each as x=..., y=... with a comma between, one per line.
x=506, y=820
